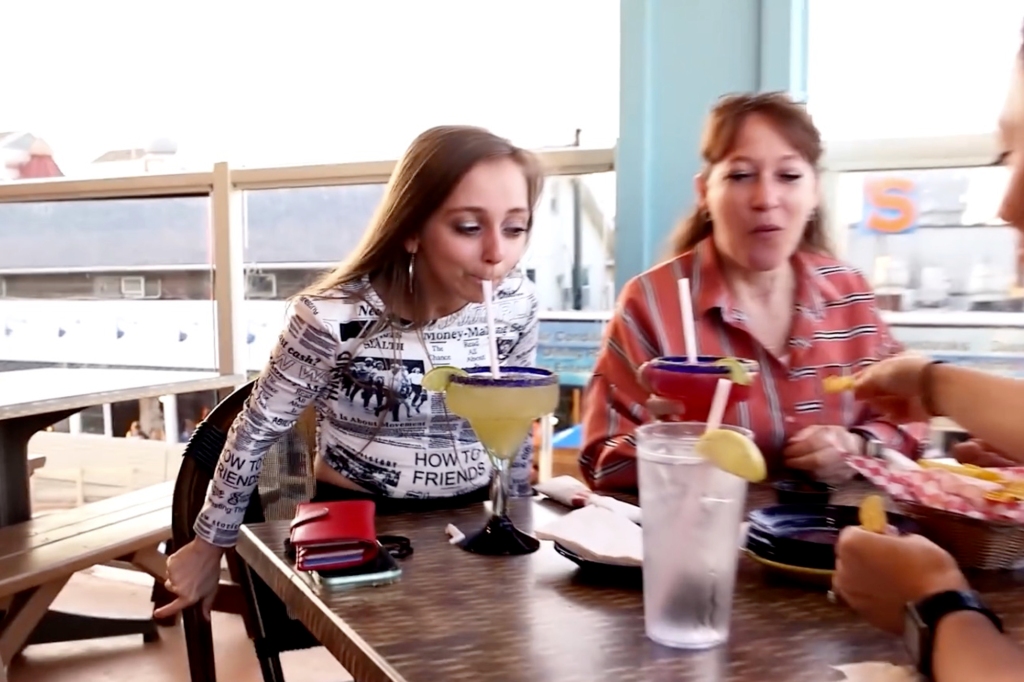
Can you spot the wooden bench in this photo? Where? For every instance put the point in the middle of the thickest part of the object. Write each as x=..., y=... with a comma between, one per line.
x=85, y=467
x=35, y=462
x=37, y=558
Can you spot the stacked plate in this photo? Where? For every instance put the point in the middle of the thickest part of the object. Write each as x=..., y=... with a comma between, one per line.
x=799, y=540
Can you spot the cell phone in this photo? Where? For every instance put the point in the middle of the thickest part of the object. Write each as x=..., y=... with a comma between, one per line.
x=381, y=571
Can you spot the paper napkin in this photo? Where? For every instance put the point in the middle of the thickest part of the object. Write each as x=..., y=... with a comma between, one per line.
x=573, y=493
x=597, y=534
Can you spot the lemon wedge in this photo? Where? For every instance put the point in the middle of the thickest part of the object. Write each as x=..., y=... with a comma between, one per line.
x=733, y=452
x=872, y=514
x=738, y=374
x=438, y=378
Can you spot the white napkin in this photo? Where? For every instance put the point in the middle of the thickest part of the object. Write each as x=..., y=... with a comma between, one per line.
x=597, y=534
x=878, y=671
x=563, y=489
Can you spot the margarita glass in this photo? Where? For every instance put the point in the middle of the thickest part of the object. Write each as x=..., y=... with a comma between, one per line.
x=502, y=411
x=693, y=384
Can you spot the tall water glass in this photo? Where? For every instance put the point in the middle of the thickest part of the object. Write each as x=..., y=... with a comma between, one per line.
x=692, y=513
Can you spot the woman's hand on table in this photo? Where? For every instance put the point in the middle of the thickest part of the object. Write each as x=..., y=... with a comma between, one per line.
x=892, y=387
x=820, y=451
x=877, y=575
x=979, y=453
x=664, y=409
x=193, y=574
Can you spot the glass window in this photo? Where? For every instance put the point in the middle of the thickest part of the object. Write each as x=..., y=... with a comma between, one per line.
x=885, y=69
x=316, y=82
x=107, y=283
x=294, y=235
x=930, y=240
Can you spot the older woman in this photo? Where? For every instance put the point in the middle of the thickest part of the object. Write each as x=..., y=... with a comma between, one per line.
x=764, y=286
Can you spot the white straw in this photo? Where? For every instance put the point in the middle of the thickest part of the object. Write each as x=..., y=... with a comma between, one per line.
x=492, y=334
x=718, y=403
x=686, y=312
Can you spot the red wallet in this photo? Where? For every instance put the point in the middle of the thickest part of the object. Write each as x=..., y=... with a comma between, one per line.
x=328, y=536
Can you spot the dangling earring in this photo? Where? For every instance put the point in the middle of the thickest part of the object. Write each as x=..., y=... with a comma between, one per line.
x=412, y=269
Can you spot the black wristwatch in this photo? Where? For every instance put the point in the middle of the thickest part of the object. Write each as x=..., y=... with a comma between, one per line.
x=921, y=620
x=872, y=446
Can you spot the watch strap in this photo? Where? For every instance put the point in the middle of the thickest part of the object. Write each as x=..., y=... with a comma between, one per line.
x=872, y=446
x=927, y=388
x=931, y=610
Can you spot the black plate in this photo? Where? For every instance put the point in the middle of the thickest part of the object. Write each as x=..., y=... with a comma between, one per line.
x=613, y=573
x=805, y=535
x=803, y=492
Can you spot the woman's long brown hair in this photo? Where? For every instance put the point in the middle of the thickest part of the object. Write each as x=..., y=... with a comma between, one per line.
x=719, y=138
x=427, y=173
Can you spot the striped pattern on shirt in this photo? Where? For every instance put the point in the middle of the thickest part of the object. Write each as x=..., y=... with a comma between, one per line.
x=836, y=330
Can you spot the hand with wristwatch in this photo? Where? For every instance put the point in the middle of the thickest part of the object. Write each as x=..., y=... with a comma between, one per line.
x=906, y=585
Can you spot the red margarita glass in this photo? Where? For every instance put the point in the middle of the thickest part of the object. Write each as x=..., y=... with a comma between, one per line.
x=693, y=384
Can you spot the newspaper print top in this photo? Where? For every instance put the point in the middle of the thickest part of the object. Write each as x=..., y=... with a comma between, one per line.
x=376, y=425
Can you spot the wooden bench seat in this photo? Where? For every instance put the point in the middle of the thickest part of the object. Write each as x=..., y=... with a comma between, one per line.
x=35, y=462
x=81, y=468
x=38, y=557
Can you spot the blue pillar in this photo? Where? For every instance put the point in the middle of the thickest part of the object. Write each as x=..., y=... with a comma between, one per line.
x=677, y=58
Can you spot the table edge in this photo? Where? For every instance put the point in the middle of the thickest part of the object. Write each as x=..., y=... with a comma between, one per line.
x=253, y=551
x=147, y=391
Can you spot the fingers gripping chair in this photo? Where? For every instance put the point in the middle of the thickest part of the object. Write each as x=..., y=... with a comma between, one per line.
x=286, y=480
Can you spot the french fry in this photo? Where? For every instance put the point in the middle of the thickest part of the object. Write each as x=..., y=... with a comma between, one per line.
x=1015, y=487
x=965, y=470
x=838, y=384
x=872, y=514
x=1004, y=496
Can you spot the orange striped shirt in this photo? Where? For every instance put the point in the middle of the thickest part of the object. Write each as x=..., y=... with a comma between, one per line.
x=836, y=330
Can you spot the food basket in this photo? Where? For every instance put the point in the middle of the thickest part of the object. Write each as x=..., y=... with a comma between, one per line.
x=951, y=511
x=974, y=543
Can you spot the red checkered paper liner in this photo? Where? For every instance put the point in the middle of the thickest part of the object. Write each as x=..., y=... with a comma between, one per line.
x=941, y=489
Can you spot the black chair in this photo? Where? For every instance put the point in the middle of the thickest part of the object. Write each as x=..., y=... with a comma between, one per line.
x=286, y=480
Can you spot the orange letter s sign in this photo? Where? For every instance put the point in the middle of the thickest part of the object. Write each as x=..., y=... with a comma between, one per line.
x=890, y=205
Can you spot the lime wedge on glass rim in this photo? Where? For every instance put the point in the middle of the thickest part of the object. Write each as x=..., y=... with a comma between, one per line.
x=738, y=374
x=732, y=452
x=438, y=378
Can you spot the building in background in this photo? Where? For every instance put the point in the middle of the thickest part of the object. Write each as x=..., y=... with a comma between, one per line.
x=158, y=249
x=23, y=156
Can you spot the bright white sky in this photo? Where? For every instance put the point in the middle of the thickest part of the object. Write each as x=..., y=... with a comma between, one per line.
x=321, y=80
x=909, y=68
x=305, y=80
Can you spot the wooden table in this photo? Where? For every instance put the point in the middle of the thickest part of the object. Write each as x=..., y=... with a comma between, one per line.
x=458, y=616
x=32, y=399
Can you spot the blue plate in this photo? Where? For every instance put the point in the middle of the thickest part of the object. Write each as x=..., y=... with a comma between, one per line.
x=805, y=535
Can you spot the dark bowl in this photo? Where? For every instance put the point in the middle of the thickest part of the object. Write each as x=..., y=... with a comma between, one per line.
x=803, y=492
x=805, y=535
